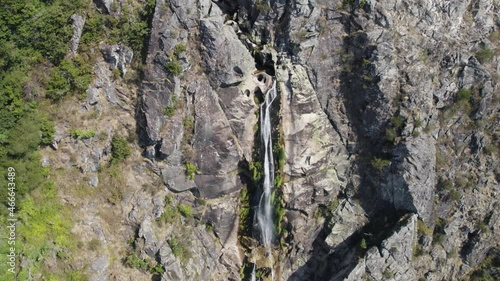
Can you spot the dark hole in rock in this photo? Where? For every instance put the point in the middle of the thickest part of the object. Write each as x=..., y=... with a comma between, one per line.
x=258, y=94
x=247, y=92
x=238, y=70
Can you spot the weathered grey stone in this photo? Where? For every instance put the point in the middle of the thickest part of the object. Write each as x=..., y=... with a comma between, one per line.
x=98, y=269
x=411, y=186
x=223, y=54
x=348, y=219
x=217, y=150
x=118, y=56
x=77, y=22
x=150, y=241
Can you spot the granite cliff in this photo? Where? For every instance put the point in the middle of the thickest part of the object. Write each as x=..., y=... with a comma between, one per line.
x=386, y=133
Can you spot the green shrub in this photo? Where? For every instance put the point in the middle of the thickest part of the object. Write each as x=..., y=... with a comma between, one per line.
x=278, y=181
x=261, y=5
x=185, y=210
x=170, y=110
x=255, y=170
x=120, y=149
x=362, y=244
x=179, y=49
x=180, y=249
x=455, y=195
x=191, y=170
x=81, y=134
x=423, y=229
x=397, y=122
x=278, y=210
x=379, y=163
x=158, y=269
x=244, y=211
x=170, y=213
x=418, y=123
x=134, y=33
x=188, y=123
x=444, y=184
x=58, y=86
x=134, y=261
x=47, y=130
x=391, y=134
x=388, y=274
x=464, y=94
x=281, y=158
x=301, y=35
x=173, y=67
x=70, y=76
x=485, y=55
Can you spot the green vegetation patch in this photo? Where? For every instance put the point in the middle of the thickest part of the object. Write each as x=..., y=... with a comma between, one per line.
x=120, y=149
x=180, y=249
x=170, y=110
x=379, y=163
x=82, y=134
x=191, y=170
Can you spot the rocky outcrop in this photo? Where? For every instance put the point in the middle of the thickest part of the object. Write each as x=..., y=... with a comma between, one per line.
x=411, y=186
x=392, y=259
x=118, y=56
x=77, y=22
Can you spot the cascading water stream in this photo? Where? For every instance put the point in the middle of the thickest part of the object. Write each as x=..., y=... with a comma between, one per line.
x=264, y=213
x=265, y=210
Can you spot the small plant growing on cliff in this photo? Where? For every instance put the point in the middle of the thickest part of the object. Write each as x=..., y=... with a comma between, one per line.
x=301, y=35
x=179, y=249
x=81, y=134
x=388, y=274
x=281, y=158
x=262, y=6
x=134, y=261
x=170, y=110
x=256, y=170
x=188, y=122
x=362, y=244
x=174, y=67
x=244, y=210
x=423, y=229
x=485, y=55
x=179, y=49
x=191, y=170
x=464, y=95
x=379, y=163
x=185, y=210
x=120, y=149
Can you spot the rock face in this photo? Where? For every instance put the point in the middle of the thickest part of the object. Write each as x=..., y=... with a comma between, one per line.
x=118, y=56
x=385, y=133
x=390, y=260
x=77, y=22
x=357, y=83
x=411, y=186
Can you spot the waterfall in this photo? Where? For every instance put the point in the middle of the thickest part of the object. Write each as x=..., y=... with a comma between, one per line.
x=265, y=208
x=253, y=277
x=264, y=212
